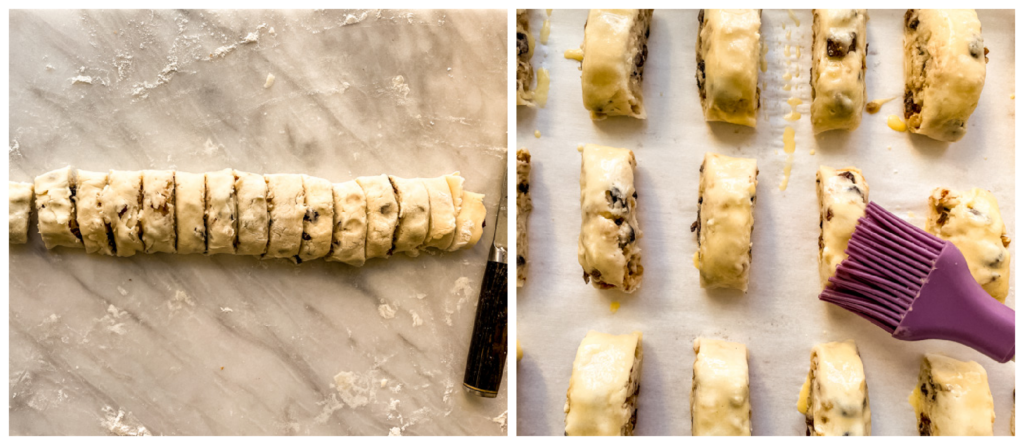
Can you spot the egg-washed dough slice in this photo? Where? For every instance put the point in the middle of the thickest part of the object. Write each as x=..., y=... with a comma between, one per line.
x=609, y=235
x=221, y=210
x=20, y=195
x=97, y=235
x=190, y=211
x=524, y=205
x=253, y=217
x=55, y=206
x=605, y=382
x=720, y=398
x=952, y=398
x=944, y=71
x=972, y=222
x=286, y=202
x=318, y=223
x=349, y=240
x=122, y=207
x=442, y=213
x=614, y=54
x=157, y=220
x=842, y=199
x=524, y=52
x=381, y=215
x=469, y=224
x=725, y=221
x=840, y=51
x=414, y=214
x=834, y=397
x=728, y=51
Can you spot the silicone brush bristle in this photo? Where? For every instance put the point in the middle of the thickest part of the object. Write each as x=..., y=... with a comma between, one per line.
x=888, y=262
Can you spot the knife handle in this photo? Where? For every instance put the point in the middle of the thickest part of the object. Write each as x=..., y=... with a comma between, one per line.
x=489, y=345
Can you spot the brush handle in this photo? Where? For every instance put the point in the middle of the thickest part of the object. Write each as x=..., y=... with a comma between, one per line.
x=952, y=306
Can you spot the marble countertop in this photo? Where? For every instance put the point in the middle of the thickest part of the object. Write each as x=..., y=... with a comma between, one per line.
x=223, y=345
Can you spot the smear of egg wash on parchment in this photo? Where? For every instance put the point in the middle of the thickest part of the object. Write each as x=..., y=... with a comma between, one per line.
x=788, y=133
x=540, y=94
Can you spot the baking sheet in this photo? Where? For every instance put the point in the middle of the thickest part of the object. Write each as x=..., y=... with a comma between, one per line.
x=780, y=317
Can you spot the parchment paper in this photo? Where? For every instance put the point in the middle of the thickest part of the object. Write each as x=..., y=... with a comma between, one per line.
x=780, y=317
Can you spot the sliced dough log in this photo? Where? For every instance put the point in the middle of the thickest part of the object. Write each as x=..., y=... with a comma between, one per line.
x=97, y=235
x=524, y=205
x=413, y=216
x=319, y=218
x=286, y=202
x=189, y=203
x=157, y=221
x=349, y=239
x=20, y=194
x=55, y=194
x=122, y=206
x=381, y=215
x=253, y=218
x=469, y=224
x=221, y=208
x=442, y=213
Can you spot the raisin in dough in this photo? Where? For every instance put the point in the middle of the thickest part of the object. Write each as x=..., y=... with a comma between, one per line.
x=972, y=222
x=524, y=52
x=381, y=215
x=469, y=224
x=952, y=398
x=944, y=71
x=728, y=49
x=157, y=220
x=720, y=397
x=286, y=202
x=413, y=216
x=524, y=205
x=122, y=207
x=253, y=217
x=55, y=196
x=349, y=239
x=442, y=213
x=20, y=195
x=725, y=221
x=840, y=52
x=614, y=53
x=834, y=397
x=318, y=223
x=190, y=211
x=842, y=200
x=608, y=250
x=605, y=382
x=97, y=235
x=221, y=208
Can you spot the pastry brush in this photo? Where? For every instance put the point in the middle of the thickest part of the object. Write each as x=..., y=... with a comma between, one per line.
x=917, y=287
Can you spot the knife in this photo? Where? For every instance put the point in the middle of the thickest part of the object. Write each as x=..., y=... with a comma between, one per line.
x=489, y=344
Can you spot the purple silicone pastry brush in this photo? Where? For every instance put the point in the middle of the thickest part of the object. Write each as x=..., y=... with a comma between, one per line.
x=917, y=287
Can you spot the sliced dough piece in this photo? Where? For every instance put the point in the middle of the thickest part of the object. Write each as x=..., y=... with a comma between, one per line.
x=97, y=235
x=221, y=210
x=720, y=399
x=157, y=221
x=952, y=398
x=413, y=216
x=524, y=52
x=55, y=206
x=190, y=211
x=381, y=215
x=842, y=199
x=834, y=397
x=944, y=71
x=614, y=54
x=728, y=52
x=971, y=221
x=442, y=213
x=839, y=50
x=605, y=382
x=122, y=207
x=286, y=202
x=253, y=217
x=349, y=240
x=20, y=195
x=725, y=221
x=608, y=245
x=470, y=222
x=319, y=219
x=524, y=205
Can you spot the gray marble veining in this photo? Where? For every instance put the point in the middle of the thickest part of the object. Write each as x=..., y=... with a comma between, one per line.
x=190, y=344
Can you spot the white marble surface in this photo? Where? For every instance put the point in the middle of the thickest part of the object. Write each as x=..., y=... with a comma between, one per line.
x=232, y=345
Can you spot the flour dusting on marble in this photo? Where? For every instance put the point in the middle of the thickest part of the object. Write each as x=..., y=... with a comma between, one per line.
x=111, y=320
x=395, y=431
x=86, y=80
x=386, y=311
x=123, y=423
x=179, y=301
x=353, y=388
x=416, y=320
x=501, y=420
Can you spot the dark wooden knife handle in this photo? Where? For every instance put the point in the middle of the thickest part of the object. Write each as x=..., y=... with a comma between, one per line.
x=489, y=345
